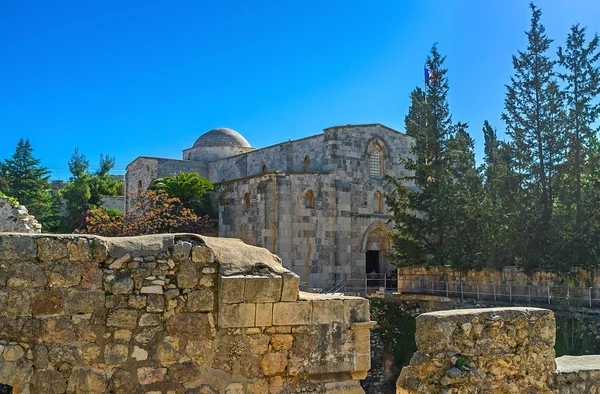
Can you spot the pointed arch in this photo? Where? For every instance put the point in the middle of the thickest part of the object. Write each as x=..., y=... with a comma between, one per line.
x=376, y=230
x=264, y=169
x=378, y=202
x=246, y=200
x=309, y=199
x=306, y=165
x=375, y=154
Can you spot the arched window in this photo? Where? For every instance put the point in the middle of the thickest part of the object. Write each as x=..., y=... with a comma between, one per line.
x=309, y=201
x=375, y=160
x=378, y=202
x=247, y=200
x=306, y=163
x=264, y=168
x=139, y=185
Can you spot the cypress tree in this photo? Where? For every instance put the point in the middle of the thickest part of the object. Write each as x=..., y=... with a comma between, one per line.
x=532, y=105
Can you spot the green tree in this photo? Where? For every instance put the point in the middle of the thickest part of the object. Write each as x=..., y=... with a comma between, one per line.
x=430, y=207
x=85, y=189
x=534, y=123
x=581, y=88
x=189, y=188
x=27, y=181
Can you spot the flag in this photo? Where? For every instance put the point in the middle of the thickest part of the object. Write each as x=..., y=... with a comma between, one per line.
x=428, y=76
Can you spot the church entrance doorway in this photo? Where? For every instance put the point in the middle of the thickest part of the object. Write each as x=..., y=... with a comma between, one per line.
x=372, y=261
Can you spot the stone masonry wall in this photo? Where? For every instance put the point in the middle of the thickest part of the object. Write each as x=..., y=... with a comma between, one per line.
x=494, y=350
x=16, y=218
x=169, y=314
x=489, y=276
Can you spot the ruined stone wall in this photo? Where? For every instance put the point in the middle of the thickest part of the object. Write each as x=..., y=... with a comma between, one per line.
x=509, y=275
x=15, y=218
x=170, y=314
x=494, y=350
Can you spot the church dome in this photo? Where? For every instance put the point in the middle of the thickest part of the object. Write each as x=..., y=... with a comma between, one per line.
x=221, y=137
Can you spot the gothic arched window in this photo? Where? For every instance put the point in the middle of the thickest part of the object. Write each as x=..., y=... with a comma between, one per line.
x=309, y=201
x=378, y=202
x=139, y=185
x=306, y=163
x=264, y=168
x=247, y=200
x=375, y=160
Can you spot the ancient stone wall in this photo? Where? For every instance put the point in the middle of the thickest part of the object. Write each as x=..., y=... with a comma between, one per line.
x=15, y=218
x=169, y=314
x=494, y=350
x=509, y=275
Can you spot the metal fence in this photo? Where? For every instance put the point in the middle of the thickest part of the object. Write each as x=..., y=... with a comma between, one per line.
x=517, y=293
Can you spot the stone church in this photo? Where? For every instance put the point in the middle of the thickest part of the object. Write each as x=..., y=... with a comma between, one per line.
x=317, y=202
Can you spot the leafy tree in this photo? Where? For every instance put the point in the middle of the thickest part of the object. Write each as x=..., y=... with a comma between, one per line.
x=85, y=190
x=534, y=123
x=581, y=77
x=26, y=180
x=156, y=212
x=189, y=188
x=435, y=208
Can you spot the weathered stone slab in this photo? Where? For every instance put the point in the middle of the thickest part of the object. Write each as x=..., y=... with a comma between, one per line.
x=231, y=289
x=292, y=313
x=289, y=290
x=237, y=315
x=262, y=289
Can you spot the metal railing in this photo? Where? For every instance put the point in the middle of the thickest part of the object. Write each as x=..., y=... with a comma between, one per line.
x=517, y=293
x=370, y=283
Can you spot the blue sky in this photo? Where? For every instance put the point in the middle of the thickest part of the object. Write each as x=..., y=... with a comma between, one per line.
x=146, y=78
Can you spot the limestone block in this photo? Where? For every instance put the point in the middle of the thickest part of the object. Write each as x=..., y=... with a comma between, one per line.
x=281, y=342
x=181, y=251
x=151, y=290
x=46, y=303
x=64, y=276
x=291, y=283
x=13, y=352
x=155, y=303
x=150, y=319
x=327, y=311
x=201, y=300
x=49, y=249
x=292, y=313
x=50, y=382
x=149, y=375
x=87, y=380
x=231, y=289
x=123, y=335
x=79, y=250
x=122, y=318
x=274, y=363
x=187, y=276
x=235, y=388
x=356, y=310
x=26, y=275
x=17, y=248
x=83, y=301
x=168, y=351
x=191, y=325
x=202, y=254
x=237, y=315
x=184, y=372
x=137, y=301
x=262, y=289
x=122, y=285
x=264, y=314
x=115, y=354
x=120, y=262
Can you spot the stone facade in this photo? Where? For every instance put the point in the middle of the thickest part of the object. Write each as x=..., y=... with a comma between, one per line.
x=317, y=202
x=496, y=351
x=15, y=218
x=169, y=314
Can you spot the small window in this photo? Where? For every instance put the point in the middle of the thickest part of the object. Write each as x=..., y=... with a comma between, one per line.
x=378, y=202
x=306, y=163
x=309, y=201
x=375, y=157
x=247, y=200
x=264, y=169
x=140, y=185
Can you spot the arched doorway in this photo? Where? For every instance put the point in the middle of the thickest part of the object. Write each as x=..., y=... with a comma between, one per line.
x=376, y=246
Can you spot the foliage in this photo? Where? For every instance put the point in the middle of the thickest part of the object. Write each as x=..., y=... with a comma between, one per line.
x=155, y=212
x=189, y=188
x=534, y=201
x=85, y=189
x=24, y=179
x=396, y=329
